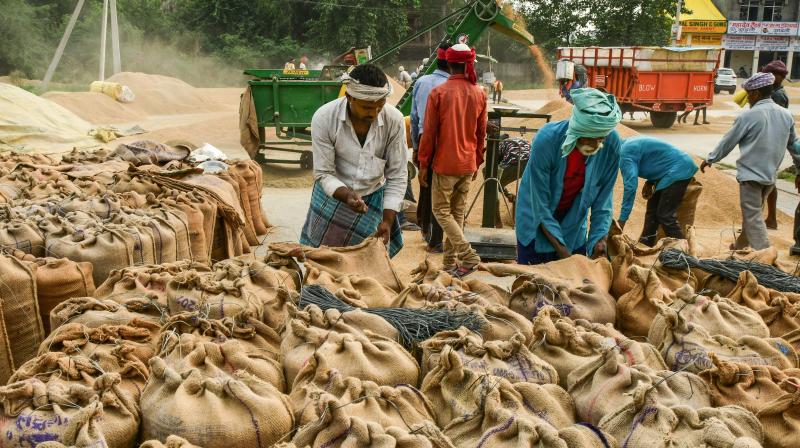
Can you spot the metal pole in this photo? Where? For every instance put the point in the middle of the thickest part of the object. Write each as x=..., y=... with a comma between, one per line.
x=103, y=35
x=48, y=76
x=677, y=25
x=115, y=38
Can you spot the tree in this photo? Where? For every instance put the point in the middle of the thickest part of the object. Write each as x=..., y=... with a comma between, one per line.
x=634, y=22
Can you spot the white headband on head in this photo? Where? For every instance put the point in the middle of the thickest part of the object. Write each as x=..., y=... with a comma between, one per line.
x=364, y=92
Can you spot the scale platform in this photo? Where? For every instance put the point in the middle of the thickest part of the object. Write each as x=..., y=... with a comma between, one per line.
x=493, y=244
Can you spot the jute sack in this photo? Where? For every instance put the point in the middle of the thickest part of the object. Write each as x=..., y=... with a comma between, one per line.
x=724, y=286
x=367, y=356
x=240, y=187
x=192, y=291
x=337, y=429
x=133, y=341
x=499, y=322
x=19, y=233
x=567, y=345
x=153, y=233
x=171, y=221
x=508, y=359
x=170, y=442
x=220, y=348
x=426, y=274
x=142, y=240
x=58, y=280
x=197, y=223
x=103, y=207
x=65, y=412
x=782, y=317
x=637, y=308
x=660, y=426
x=106, y=249
x=476, y=409
x=6, y=358
x=124, y=182
x=575, y=271
x=250, y=172
x=213, y=412
x=94, y=312
x=20, y=309
x=385, y=405
x=308, y=329
x=144, y=281
x=719, y=316
x=688, y=347
x=603, y=386
x=369, y=256
x=357, y=290
x=781, y=416
x=627, y=253
x=749, y=293
x=587, y=302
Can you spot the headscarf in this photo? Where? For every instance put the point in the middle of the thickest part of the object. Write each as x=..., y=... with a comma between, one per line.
x=758, y=81
x=364, y=92
x=462, y=54
x=777, y=68
x=595, y=114
x=441, y=54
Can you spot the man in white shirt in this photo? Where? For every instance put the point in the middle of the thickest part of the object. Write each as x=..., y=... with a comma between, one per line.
x=405, y=78
x=360, y=166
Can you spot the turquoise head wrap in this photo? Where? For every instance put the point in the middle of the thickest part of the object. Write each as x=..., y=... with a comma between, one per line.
x=595, y=114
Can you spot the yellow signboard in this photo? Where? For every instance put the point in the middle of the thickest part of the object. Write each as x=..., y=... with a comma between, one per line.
x=704, y=26
x=296, y=72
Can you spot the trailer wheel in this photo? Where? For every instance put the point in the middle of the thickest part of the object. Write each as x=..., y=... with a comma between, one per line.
x=663, y=120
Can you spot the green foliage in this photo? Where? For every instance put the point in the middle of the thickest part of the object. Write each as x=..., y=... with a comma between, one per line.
x=21, y=47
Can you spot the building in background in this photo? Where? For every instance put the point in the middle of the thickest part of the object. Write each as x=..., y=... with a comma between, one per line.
x=703, y=26
x=760, y=31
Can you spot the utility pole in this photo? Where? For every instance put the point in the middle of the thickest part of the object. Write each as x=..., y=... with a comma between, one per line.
x=61, y=45
x=103, y=35
x=676, y=27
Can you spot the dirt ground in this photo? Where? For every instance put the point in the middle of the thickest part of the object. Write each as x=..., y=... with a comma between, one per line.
x=170, y=109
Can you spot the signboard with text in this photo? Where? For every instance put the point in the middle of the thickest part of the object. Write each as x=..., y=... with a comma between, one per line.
x=773, y=43
x=733, y=42
x=705, y=26
x=763, y=28
x=761, y=43
x=701, y=40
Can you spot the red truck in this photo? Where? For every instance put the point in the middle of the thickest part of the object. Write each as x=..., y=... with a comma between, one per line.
x=659, y=80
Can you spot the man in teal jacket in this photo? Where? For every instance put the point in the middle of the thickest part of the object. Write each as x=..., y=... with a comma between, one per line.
x=571, y=170
x=668, y=171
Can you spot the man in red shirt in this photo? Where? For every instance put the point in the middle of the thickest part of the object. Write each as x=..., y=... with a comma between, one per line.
x=455, y=124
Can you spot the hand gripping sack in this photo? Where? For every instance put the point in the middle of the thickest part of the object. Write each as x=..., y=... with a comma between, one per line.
x=719, y=316
x=644, y=424
x=687, y=346
x=94, y=313
x=217, y=357
x=38, y=412
x=337, y=429
x=387, y=406
x=237, y=411
x=509, y=359
x=587, y=302
x=637, y=308
x=601, y=387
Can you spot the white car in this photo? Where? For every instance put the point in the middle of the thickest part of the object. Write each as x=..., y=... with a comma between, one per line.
x=725, y=80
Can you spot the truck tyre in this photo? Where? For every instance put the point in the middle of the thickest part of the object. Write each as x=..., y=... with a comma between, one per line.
x=663, y=120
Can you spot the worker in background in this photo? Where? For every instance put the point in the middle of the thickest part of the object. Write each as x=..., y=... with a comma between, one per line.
x=568, y=85
x=360, y=169
x=303, y=63
x=404, y=78
x=697, y=109
x=667, y=171
x=763, y=133
x=431, y=230
x=777, y=68
x=572, y=169
x=455, y=127
x=497, y=91
x=289, y=65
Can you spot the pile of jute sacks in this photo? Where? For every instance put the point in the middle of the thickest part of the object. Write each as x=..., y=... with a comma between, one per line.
x=216, y=352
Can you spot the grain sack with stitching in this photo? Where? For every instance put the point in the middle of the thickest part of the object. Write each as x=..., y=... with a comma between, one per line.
x=716, y=314
x=659, y=426
x=102, y=410
x=337, y=429
x=19, y=233
x=508, y=359
x=781, y=416
x=106, y=249
x=357, y=290
x=237, y=411
x=603, y=386
x=138, y=337
x=589, y=302
x=220, y=348
x=192, y=291
x=6, y=357
x=144, y=281
x=476, y=409
x=499, y=322
x=387, y=406
x=782, y=317
x=20, y=309
x=58, y=280
x=240, y=186
x=687, y=346
x=307, y=329
x=430, y=284
x=749, y=293
x=250, y=171
x=94, y=312
x=170, y=442
x=637, y=308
